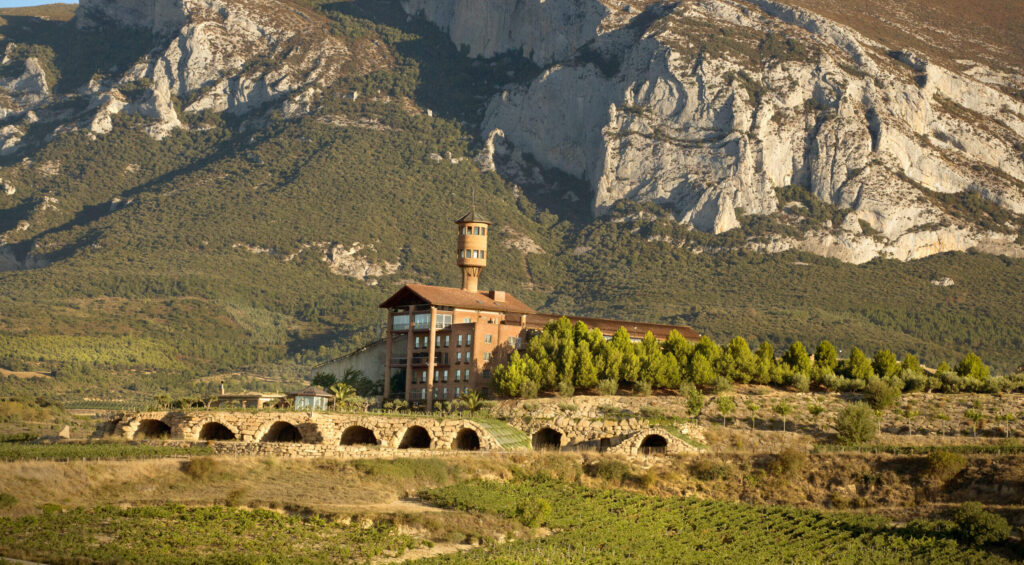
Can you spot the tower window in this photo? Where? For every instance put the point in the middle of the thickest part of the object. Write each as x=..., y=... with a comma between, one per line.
x=476, y=230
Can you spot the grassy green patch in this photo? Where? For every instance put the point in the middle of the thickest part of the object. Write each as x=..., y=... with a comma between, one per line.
x=508, y=437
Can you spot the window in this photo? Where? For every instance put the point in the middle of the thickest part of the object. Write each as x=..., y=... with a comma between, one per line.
x=400, y=322
x=476, y=230
x=458, y=375
x=469, y=339
x=458, y=357
x=512, y=341
x=421, y=321
x=468, y=356
x=447, y=340
x=423, y=394
x=486, y=374
x=487, y=356
x=444, y=376
x=437, y=341
x=437, y=375
x=483, y=230
x=445, y=392
x=487, y=338
x=416, y=342
x=458, y=340
x=442, y=321
x=457, y=389
x=423, y=376
x=466, y=321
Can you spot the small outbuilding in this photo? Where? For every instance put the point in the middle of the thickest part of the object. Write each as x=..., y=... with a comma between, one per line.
x=312, y=398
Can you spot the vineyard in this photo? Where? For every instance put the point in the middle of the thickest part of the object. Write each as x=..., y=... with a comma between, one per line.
x=217, y=534
x=18, y=451
x=608, y=526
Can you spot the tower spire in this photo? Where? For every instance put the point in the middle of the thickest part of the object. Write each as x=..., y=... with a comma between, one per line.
x=472, y=248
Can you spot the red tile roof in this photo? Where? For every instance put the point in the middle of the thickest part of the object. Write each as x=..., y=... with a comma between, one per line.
x=456, y=298
x=637, y=330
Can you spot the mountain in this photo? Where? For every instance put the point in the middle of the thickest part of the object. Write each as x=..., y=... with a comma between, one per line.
x=226, y=189
x=709, y=107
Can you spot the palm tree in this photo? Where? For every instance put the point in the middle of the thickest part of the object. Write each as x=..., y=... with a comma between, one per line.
x=343, y=394
x=472, y=401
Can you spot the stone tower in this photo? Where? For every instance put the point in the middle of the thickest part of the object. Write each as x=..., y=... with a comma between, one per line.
x=472, y=249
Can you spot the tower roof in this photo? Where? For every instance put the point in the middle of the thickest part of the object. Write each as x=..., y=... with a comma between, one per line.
x=456, y=298
x=473, y=218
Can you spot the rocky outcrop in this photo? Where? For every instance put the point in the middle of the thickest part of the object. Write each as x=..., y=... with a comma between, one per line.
x=232, y=56
x=707, y=107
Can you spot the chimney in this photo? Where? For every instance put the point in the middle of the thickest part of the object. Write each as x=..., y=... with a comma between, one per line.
x=498, y=295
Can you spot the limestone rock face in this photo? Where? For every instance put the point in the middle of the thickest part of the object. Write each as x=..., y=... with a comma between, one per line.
x=708, y=107
x=204, y=58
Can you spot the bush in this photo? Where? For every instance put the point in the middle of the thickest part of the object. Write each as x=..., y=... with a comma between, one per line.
x=976, y=525
x=7, y=500
x=708, y=470
x=881, y=395
x=856, y=424
x=642, y=388
x=533, y=512
x=942, y=466
x=788, y=462
x=607, y=387
x=236, y=497
x=529, y=389
x=565, y=388
x=611, y=470
x=200, y=468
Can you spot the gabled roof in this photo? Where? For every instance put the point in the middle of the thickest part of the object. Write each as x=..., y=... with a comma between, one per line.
x=473, y=218
x=312, y=391
x=456, y=298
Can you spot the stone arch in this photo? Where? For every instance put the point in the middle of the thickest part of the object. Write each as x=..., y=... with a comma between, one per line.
x=653, y=444
x=604, y=444
x=216, y=431
x=152, y=429
x=547, y=438
x=415, y=437
x=358, y=435
x=282, y=431
x=466, y=440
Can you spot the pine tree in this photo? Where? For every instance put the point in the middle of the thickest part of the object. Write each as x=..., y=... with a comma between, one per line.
x=825, y=356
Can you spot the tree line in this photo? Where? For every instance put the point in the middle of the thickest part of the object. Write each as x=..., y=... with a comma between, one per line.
x=565, y=357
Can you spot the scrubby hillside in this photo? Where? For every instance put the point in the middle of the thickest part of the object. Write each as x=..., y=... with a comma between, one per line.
x=233, y=187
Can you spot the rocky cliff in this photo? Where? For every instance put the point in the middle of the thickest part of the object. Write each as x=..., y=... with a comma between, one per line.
x=709, y=106
x=216, y=55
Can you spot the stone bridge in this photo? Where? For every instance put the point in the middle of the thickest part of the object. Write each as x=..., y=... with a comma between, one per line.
x=337, y=434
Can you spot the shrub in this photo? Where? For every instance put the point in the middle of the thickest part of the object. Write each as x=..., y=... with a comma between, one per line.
x=708, y=470
x=642, y=388
x=7, y=500
x=533, y=512
x=881, y=395
x=200, y=468
x=611, y=470
x=565, y=388
x=529, y=389
x=236, y=497
x=788, y=462
x=607, y=387
x=942, y=465
x=976, y=525
x=856, y=424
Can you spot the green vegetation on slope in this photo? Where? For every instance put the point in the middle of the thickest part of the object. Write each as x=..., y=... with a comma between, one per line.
x=606, y=526
x=216, y=534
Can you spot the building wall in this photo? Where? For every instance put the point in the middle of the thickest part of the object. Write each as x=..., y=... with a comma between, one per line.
x=370, y=360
